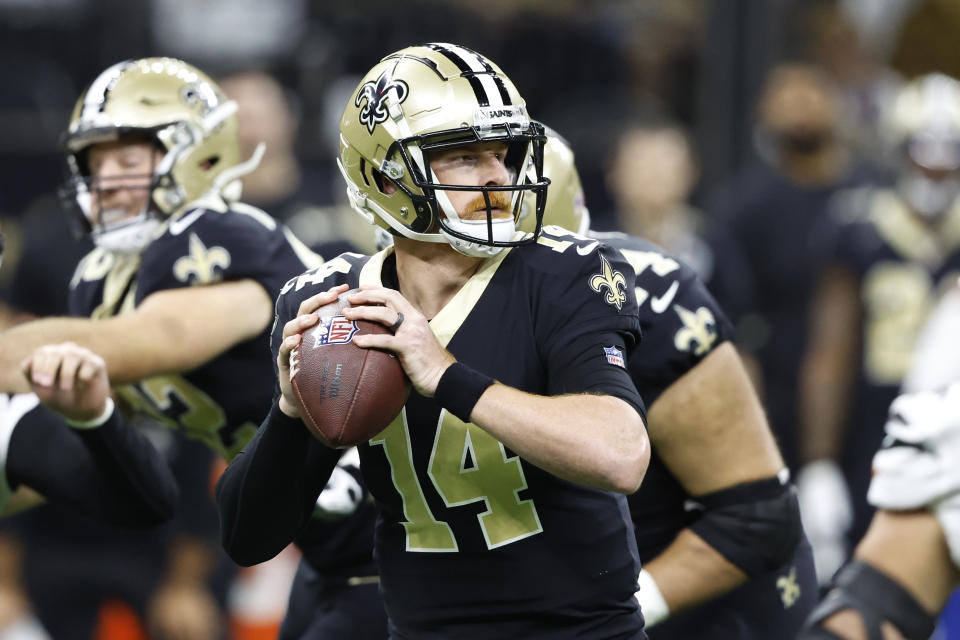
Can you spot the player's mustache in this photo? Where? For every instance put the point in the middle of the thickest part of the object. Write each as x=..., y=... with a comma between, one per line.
x=498, y=200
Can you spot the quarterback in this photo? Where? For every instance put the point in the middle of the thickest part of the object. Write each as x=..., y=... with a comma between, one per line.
x=500, y=484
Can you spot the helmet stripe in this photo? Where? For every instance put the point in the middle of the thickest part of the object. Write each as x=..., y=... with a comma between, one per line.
x=497, y=78
x=478, y=72
x=96, y=96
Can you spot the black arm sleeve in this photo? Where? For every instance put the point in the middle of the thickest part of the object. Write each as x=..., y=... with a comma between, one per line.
x=111, y=472
x=268, y=492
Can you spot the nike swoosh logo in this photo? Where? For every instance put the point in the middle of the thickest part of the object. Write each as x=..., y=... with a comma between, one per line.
x=180, y=224
x=658, y=304
x=587, y=249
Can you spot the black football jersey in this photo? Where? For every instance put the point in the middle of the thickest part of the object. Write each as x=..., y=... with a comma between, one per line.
x=473, y=541
x=901, y=264
x=681, y=324
x=222, y=402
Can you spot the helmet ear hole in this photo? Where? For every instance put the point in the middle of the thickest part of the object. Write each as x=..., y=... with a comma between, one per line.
x=385, y=185
x=209, y=163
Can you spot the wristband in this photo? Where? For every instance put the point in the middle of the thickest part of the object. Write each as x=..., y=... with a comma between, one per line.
x=460, y=388
x=95, y=422
x=652, y=605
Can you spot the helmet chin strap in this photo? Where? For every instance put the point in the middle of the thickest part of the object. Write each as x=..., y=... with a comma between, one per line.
x=130, y=237
x=502, y=230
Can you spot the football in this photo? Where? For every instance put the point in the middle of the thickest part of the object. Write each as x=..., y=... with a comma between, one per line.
x=348, y=394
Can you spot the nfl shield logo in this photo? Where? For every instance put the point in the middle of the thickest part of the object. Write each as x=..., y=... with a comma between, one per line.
x=334, y=330
x=614, y=356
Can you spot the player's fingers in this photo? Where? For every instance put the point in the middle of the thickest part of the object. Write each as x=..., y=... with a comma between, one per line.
x=45, y=366
x=385, y=341
x=90, y=368
x=383, y=315
x=26, y=366
x=313, y=303
x=299, y=324
x=283, y=353
x=380, y=295
x=69, y=363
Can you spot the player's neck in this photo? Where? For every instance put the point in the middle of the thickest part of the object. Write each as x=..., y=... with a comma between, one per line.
x=431, y=274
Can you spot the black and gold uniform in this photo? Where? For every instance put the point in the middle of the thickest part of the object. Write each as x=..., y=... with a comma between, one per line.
x=473, y=541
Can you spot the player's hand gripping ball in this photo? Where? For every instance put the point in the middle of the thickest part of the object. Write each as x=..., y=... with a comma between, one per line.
x=348, y=394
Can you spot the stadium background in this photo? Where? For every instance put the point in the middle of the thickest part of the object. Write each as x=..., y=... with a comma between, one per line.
x=586, y=67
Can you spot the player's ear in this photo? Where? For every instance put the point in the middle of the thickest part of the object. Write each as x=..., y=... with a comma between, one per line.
x=386, y=185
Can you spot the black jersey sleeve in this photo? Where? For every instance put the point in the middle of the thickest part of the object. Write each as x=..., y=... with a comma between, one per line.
x=267, y=493
x=206, y=246
x=111, y=472
x=586, y=318
x=681, y=324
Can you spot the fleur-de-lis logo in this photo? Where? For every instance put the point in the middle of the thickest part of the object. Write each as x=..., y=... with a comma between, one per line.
x=375, y=93
x=202, y=263
x=789, y=589
x=699, y=330
x=611, y=280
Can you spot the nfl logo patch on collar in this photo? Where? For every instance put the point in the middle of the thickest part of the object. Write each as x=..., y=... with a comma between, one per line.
x=614, y=356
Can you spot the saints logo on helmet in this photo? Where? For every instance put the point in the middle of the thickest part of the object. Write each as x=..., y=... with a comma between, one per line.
x=374, y=94
x=186, y=117
x=431, y=98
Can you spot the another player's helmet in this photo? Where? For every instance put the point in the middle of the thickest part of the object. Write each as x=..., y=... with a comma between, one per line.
x=925, y=124
x=566, y=206
x=434, y=97
x=183, y=113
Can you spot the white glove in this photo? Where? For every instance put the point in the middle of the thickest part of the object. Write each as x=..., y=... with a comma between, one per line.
x=827, y=513
x=343, y=494
x=920, y=461
x=919, y=466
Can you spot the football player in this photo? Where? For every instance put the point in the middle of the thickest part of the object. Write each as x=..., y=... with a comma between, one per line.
x=101, y=467
x=177, y=295
x=904, y=569
x=66, y=441
x=893, y=249
x=716, y=519
x=500, y=485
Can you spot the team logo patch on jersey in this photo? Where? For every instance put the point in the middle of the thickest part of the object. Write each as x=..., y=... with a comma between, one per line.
x=375, y=94
x=612, y=281
x=614, y=356
x=334, y=330
x=789, y=588
x=204, y=265
x=699, y=330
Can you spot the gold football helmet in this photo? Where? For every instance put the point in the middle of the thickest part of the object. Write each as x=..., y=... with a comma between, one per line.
x=924, y=124
x=566, y=206
x=429, y=98
x=183, y=113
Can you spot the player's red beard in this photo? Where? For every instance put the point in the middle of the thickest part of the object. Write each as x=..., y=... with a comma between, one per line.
x=498, y=200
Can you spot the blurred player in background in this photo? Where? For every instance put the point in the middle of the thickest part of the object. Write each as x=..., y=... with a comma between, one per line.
x=500, y=512
x=907, y=564
x=769, y=218
x=892, y=249
x=101, y=466
x=717, y=521
x=177, y=298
